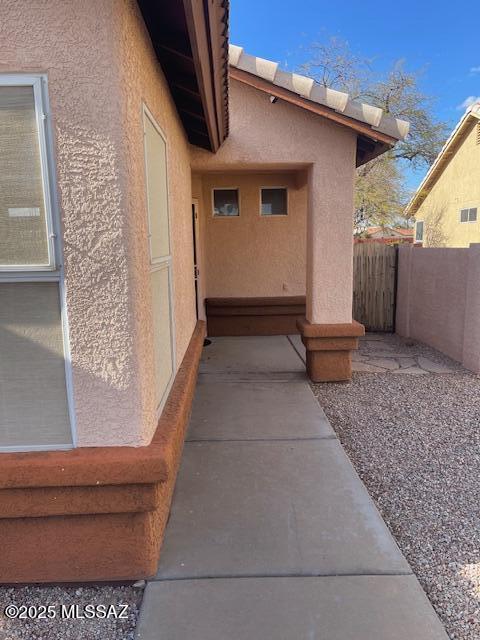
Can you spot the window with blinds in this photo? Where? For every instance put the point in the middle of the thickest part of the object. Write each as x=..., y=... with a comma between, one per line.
x=160, y=256
x=25, y=220
x=34, y=410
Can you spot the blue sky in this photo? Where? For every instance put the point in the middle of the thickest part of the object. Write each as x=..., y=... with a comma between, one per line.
x=439, y=37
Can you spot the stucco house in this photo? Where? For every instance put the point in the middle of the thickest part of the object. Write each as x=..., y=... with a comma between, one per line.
x=144, y=170
x=446, y=205
x=386, y=235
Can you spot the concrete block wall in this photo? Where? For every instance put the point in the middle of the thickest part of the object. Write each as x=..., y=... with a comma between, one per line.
x=438, y=300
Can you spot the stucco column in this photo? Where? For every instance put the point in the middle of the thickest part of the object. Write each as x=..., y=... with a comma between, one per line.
x=329, y=332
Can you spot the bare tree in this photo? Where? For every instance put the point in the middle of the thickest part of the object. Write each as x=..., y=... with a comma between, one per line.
x=380, y=195
x=434, y=231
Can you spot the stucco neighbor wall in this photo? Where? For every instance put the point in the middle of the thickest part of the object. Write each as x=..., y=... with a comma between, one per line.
x=458, y=187
x=266, y=136
x=100, y=66
x=438, y=300
x=253, y=255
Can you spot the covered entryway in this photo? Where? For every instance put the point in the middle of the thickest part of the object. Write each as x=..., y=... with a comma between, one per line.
x=276, y=211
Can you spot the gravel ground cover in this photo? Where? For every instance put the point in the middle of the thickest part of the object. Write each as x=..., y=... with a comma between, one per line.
x=415, y=442
x=63, y=628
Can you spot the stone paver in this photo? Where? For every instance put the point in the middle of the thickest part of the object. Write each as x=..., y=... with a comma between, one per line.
x=406, y=362
x=377, y=355
x=256, y=411
x=384, y=363
x=432, y=367
x=323, y=608
x=273, y=508
x=412, y=371
x=365, y=367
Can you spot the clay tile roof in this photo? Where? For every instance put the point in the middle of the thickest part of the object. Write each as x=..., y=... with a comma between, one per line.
x=307, y=88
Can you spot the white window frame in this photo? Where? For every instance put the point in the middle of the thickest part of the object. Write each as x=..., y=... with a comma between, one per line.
x=54, y=271
x=423, y=230
x=163, y=262
x=220, y=217
x=274, y=215
x=467, y=221
x=41, y=113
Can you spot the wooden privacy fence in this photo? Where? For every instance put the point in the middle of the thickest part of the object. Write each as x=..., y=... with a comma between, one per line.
x=374, y=285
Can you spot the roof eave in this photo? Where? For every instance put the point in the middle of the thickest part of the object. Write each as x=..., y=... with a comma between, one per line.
x=441, y=161
x=190, y=40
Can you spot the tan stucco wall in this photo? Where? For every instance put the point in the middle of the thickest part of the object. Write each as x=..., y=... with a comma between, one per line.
x=281, y=136
x=438, y=300
x=253, y=255
x=458, y=187
x=100, y=66
x=143, y=82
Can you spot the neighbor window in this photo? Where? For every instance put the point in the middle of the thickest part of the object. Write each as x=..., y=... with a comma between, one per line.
x=34, y=412
x=160, y=256
x=274, y=201
x=225, y=202
x=468, y=215
x=419, y=231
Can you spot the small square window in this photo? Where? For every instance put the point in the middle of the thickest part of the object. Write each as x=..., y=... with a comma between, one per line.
x=468, y=215
x=225, y=202
x=419, y=231
x=274, y=201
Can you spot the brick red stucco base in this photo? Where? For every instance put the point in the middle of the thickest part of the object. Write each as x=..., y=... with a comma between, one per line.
x=94, y=513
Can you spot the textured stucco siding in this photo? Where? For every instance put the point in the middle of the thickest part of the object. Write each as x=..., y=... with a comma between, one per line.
x=143, y=82
x=458, y=187
x=254, y=255
x=73, y=43
x=100, y=66
x=281, y=136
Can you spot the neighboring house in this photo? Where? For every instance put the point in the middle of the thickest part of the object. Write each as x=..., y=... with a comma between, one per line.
x=137, y=180
x=386, y=235
x=446, y=205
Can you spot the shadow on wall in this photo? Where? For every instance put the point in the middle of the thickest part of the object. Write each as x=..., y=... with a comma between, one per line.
x=434, y=229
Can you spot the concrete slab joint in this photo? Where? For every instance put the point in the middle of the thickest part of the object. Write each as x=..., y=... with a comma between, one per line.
x=329, y=349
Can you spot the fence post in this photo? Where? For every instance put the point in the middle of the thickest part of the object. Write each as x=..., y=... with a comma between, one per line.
x=471, y=334
x=404, y=274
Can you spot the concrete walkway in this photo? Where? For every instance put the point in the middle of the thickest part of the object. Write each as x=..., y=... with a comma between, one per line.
x=272, y=535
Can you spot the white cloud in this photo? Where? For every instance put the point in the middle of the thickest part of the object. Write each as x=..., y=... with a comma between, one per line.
x=475, y=69
x=468, y=102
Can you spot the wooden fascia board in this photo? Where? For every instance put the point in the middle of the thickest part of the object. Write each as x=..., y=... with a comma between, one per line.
x=198, y=33
x=314, y=107
x=217, y=64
